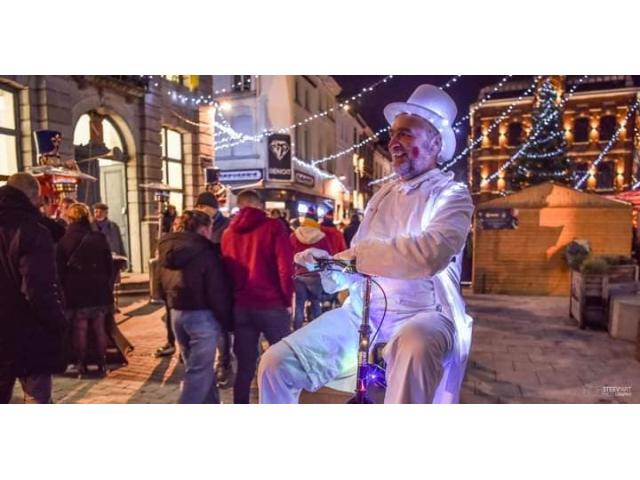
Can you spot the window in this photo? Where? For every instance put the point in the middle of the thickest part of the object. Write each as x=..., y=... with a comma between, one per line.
x=172, y=166
x=581, y=129
x=242, y=83
x=605, y=176
x=607, y=128
x=307, y=144
x=8, y=133
x=514, y=134
x=494, y=137
x=243, y=124
x=580, y=169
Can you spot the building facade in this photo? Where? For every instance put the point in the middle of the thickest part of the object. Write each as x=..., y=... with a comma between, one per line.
x=591, y=116
x=254, y=105
x=152, y=127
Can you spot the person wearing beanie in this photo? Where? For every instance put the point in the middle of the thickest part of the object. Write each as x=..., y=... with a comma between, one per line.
x=307, y=285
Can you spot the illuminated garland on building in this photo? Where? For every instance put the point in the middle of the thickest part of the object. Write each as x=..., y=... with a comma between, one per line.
x=534, y=134
x=610, y=144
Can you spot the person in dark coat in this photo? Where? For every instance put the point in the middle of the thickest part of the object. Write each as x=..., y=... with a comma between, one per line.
x=85, y=268
x=351, y=229
x=32, y=323
x=110, y=229
x=208, y=203
x=194, y=286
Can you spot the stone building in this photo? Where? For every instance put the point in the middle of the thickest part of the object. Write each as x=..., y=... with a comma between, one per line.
x=591, y=116
x=151, y=129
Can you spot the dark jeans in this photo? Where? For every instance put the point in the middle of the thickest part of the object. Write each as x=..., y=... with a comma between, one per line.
x=82, y=319
x=250, y=323
x=224, y=350
x=197, y=333
x=307, y=288
x=37, y=388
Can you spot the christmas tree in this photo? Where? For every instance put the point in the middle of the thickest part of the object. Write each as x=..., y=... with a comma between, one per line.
x=544, y=155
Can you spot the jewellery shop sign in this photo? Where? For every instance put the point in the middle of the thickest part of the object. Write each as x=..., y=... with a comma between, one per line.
x=279, y=168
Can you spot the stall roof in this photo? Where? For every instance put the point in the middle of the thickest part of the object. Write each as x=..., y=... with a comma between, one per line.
x=552, y=195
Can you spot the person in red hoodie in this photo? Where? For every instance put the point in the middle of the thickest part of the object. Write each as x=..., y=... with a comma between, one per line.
x=308, y=285
x=257, y=254
x=335, y=238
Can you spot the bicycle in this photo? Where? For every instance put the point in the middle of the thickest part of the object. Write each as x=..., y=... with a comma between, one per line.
x=367, y=373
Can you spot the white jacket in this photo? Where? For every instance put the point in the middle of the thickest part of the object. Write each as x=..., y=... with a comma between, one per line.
x=412, y=238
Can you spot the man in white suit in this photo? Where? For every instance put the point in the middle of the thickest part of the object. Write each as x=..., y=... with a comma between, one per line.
x=411, y=239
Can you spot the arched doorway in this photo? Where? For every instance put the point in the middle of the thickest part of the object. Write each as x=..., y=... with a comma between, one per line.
x=100, y=152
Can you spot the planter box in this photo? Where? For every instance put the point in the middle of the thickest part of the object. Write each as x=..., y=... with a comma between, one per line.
x=625, y=315
x=589, y=303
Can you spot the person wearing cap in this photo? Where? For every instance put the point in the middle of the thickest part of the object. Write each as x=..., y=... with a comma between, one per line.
x=307, y=284
x=411, y=240
x=109, y=229
x=208, y=203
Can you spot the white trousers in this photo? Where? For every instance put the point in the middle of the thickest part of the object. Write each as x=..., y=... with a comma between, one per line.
x=325, y=350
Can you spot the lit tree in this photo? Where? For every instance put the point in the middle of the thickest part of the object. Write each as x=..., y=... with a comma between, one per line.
x=544, y=155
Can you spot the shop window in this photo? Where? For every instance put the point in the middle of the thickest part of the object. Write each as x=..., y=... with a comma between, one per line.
x=515, y=134
x=605, y=176
x=607, y=127
x=172, y=165
x=581, y=128
x=9, y=160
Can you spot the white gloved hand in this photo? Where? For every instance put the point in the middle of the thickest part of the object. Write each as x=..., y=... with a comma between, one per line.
x=307, y=257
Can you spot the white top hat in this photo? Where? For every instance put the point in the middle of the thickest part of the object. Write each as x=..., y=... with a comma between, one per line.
x=437, y=108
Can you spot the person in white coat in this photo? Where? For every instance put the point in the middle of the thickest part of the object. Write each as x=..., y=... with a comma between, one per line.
x=411, y=239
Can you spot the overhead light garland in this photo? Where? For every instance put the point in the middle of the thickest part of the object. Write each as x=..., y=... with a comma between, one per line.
x=610, y=144
x=256, y=138
x=493, y=126
x=459, y=122
x=534, y=134
x=374, y=136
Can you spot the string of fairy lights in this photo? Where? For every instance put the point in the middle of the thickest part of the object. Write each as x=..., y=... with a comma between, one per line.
x=494, y=125
x=371, y=138
x=534, y=134
x=242, y=138
x=612, y=141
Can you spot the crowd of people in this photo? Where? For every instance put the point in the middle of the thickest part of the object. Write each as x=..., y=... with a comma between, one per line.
x=232, y=281
x=57, y=280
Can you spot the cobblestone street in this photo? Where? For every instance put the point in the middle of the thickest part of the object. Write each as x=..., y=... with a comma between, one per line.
x=525, y=350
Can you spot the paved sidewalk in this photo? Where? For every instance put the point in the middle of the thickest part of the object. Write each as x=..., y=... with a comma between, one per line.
x=528, y=350
x=525, y=350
